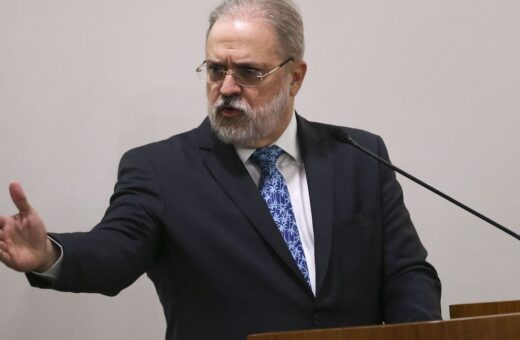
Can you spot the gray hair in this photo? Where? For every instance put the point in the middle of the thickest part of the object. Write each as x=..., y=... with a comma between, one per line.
x=282, y=15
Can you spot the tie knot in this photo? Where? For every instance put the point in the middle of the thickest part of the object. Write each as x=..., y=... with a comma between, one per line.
x=266, y=157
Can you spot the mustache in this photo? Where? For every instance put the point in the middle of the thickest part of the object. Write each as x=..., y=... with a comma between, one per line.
x=233, y=102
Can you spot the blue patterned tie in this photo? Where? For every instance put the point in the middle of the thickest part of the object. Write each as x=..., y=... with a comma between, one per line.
x=275, y=193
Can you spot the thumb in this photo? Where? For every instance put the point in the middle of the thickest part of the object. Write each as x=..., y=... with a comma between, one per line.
x=19, y=198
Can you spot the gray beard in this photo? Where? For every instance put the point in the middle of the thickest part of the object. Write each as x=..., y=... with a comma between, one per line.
x=254, y=124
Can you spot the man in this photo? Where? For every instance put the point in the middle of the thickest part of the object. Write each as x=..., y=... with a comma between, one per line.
x=255, y=221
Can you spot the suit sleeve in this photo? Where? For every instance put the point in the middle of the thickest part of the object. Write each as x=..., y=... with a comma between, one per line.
x=411, y=287
x=123, y=245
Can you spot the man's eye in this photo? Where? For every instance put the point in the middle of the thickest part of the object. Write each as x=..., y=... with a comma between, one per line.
x=215, y=69
x=248, y=73
x=216, y=72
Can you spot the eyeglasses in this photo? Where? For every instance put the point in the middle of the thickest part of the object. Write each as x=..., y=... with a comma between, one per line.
x=244, y=76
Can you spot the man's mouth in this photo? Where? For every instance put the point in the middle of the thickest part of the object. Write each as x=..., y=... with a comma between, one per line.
x=229, y=112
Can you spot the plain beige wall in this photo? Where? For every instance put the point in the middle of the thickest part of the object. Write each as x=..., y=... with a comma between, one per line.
x=83, y=81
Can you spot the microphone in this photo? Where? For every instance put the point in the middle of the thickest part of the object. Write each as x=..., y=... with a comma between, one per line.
x=344, y=138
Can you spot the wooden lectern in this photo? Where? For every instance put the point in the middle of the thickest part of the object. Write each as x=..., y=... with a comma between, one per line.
x=484, y=321
x=486, y=308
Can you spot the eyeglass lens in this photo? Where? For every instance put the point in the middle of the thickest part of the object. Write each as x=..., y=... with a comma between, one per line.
x=242, y=75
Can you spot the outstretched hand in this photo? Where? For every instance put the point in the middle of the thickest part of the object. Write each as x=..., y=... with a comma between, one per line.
x=24, y=245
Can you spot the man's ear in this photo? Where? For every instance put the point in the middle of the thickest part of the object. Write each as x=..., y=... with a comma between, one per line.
x=298, y=74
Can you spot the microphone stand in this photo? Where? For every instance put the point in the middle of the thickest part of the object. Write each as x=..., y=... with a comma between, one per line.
x=343, y=137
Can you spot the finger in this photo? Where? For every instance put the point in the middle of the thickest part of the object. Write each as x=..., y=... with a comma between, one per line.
x=2, y=222
x=19, y=198
x=4, y=257
x=3, y=246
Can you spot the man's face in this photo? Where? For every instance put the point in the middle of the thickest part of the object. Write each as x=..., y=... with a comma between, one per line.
x=248, y=116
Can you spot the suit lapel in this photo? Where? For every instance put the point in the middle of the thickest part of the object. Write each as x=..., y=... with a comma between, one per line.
x=228, y=170
x=320, y=180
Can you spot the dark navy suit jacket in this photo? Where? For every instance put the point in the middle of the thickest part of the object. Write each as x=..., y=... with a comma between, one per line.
x=186, y=212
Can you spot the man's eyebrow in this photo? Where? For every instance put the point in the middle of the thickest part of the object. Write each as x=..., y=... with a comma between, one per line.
x=247, y=64
x=243, y=64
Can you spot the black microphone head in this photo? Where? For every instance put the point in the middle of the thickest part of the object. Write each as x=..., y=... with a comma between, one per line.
x=341, y=136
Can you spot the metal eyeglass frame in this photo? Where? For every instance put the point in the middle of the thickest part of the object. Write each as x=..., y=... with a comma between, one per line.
x=232, y=72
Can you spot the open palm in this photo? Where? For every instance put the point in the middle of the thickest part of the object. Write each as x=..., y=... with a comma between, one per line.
x=24, y=245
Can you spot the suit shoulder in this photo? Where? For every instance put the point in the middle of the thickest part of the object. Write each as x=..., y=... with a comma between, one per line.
x=363, y=136
x=174, y=144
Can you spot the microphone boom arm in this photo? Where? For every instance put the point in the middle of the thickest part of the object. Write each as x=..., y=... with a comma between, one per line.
x=345, y=138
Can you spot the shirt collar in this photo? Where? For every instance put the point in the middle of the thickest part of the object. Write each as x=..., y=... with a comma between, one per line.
x=288, y=141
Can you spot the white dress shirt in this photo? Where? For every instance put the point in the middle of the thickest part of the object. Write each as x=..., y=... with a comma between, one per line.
x=290, y=164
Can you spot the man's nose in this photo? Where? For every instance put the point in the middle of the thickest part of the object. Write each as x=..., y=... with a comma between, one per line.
x=229, y=86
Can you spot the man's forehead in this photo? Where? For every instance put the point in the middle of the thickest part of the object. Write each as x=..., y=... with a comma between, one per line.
x=242, y=40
